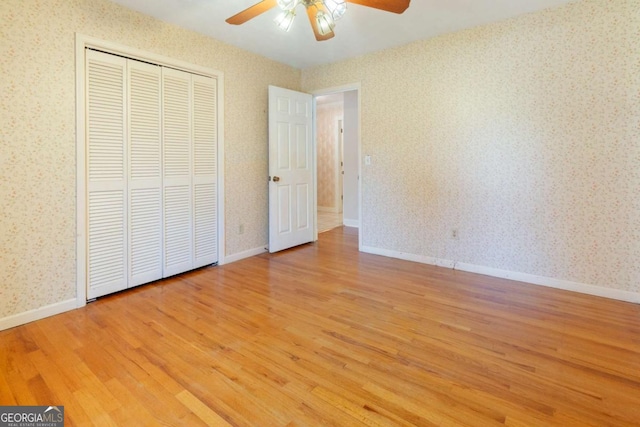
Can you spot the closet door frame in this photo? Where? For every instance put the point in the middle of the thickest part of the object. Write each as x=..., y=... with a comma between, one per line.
x=82, y=43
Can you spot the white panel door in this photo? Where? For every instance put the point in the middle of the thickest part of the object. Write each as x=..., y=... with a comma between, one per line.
x=177, y=164
x=106, y=173
x=205, y=142
x=145, y=173
x=291, y=201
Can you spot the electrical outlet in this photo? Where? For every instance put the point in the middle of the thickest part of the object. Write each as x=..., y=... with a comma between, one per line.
x=454, y=234
x=241, y=229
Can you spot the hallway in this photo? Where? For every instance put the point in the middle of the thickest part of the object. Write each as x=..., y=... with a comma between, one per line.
x=328, y=221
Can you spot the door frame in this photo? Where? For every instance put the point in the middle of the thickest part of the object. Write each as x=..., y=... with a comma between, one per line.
x=339, y=202
x=81, y=43
x=357, y=87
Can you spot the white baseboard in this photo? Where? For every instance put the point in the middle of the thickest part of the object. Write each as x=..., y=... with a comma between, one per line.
x=533, y=279
x=408, y=257
x=351, y=222
x=242, y=255
x=550, y=282
x=37, y=314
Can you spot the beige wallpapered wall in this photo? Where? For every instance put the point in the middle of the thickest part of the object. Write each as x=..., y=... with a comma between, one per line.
x=522, y=135
x=327, y=115
x=37, y=135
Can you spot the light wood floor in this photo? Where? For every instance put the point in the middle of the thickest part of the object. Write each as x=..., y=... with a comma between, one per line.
x=324, y=335
x=328, y=221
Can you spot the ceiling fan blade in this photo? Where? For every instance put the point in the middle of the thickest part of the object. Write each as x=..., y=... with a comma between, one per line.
x=395, y=6
x=252, y=12
x=311, y=13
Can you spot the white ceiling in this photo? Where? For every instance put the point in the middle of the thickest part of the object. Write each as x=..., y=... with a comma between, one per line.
x=362, y=29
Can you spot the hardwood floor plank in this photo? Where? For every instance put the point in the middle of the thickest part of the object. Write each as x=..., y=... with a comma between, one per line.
x=99, y=414
x=358, y=410
x=58, y=384
x=131, y=410
x=323, y=335
x=200, y=409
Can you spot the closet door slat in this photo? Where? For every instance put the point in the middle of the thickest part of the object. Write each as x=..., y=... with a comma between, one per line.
x=178, y=171
x=205, y=139
x=145, y=173
x=106, y=173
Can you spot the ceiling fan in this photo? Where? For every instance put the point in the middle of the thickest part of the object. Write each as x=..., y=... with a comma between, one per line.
x=322, y=13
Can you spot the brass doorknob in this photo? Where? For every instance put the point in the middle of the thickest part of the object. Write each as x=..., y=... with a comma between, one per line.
x=276, y=178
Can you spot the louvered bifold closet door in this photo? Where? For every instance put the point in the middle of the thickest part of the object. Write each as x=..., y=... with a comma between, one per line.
x=145, y=173
x=177, y=171
x=106, y=173
x=205, y=134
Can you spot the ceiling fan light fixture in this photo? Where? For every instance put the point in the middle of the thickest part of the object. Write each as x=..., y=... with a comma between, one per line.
x=337, y=8
x=287, y=4
x=325, y=22
x=285, y=19
x=322, y=14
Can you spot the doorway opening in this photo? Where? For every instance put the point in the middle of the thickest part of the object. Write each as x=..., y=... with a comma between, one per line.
x=337, y=158
x=329, y=152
